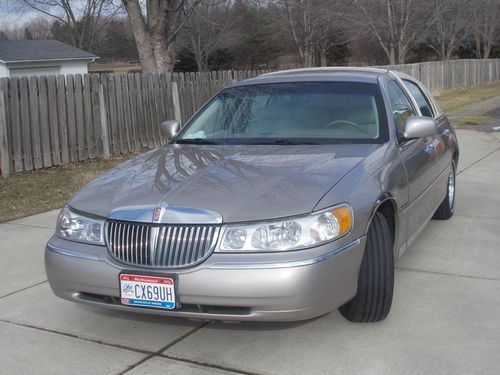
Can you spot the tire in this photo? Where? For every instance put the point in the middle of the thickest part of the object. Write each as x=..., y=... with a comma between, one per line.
x=373, y=300
x=447, y=206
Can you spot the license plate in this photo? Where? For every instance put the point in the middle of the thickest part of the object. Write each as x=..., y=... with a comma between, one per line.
x=148, y=291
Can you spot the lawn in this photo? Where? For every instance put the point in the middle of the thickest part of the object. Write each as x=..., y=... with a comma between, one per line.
x=47, y=189
x=453, y=100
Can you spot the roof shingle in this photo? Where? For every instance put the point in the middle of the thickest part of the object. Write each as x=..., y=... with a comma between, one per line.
x=40, y=50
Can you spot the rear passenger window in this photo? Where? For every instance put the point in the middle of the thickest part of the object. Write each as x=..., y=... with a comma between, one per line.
x=422, y=101
x=401, y=107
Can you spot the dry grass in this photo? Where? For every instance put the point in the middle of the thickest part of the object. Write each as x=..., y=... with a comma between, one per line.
x=39, y=191
x=453, y=100
x=470, y=120
x=115, y=68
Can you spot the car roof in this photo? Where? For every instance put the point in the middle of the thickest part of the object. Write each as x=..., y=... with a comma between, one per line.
x=351, y=74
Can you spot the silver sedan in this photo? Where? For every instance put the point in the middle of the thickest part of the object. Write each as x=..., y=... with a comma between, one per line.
x=286, y=196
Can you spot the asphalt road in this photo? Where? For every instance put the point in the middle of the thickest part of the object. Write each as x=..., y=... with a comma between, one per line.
x=445, y=317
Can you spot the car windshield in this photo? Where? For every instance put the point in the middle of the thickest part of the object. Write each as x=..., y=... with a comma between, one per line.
x=291, y=113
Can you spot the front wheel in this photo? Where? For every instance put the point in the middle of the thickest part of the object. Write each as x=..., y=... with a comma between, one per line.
x=373, y=300
x=447, y=206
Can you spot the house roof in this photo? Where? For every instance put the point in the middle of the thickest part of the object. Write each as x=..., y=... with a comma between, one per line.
x=40, y=50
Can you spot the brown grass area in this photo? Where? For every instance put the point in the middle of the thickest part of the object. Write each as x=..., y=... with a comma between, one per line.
x=115, y=68
x=453, y=100
x=470, y=120
x=47, y=189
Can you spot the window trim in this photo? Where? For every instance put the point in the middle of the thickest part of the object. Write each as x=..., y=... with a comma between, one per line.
x=410, y=99
x=424, y=94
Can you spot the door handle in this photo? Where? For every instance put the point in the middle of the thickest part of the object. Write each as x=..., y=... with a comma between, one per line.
x=429, y=148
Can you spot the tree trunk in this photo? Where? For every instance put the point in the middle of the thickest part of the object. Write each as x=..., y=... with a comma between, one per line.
x=392, y=56
x=323, y=58
x=141, y=36
x=164, y=55
x=155, y=33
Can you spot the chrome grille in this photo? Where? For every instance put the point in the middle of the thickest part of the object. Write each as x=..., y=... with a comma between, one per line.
x=156, y=245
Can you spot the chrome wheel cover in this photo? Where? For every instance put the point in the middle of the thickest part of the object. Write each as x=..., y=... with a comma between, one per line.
x=451, y=189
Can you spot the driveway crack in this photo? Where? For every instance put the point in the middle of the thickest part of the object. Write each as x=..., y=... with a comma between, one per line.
x=447, y=274
x=479, y=160
x=166, y=347
x=23, y=289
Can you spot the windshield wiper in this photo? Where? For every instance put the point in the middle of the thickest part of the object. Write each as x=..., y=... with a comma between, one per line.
x=195, y=141
x=282, y=141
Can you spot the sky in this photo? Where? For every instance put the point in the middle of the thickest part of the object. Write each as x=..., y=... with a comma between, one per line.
x=14, y=14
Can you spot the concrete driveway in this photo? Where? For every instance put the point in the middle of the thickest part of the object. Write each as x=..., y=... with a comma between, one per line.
x=445, y=317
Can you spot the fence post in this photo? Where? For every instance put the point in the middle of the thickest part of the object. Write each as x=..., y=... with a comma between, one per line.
x=175, y=100
x=4, y=139
x=104, y=124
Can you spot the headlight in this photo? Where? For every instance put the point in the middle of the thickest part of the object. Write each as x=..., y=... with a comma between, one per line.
x=75, y=227
x=289, y=234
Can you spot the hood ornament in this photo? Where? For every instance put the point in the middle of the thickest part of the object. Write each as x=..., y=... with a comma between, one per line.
x=157, y=214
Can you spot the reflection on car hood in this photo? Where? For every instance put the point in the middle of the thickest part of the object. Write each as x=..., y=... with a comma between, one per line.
x=240, y=182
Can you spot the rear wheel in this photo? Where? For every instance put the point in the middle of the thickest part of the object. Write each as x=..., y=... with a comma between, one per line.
x=447, y=206
x=376, y=276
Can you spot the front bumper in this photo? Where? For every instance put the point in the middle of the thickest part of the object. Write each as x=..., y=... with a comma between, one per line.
x=280, y=287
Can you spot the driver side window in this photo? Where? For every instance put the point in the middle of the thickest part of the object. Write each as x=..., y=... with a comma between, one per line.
x=401, y=107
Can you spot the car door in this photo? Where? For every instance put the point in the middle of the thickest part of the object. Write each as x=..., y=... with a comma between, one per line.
x=441, y=139
x=419, y=159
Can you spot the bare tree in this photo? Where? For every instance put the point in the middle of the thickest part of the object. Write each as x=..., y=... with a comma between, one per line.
x=397, y=25
x=485, y=26
x=82, y=18
x=156, y=27
x=308, y=23
x=39, y=28
x=207, y=30
x=450, y=28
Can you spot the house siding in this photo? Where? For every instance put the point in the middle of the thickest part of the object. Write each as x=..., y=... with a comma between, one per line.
x=34, y=68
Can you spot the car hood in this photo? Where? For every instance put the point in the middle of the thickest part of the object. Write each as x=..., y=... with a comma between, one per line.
x=239, y=182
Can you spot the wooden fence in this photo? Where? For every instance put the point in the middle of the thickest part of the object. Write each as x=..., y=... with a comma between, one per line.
x=49, y=121
x=452, y=74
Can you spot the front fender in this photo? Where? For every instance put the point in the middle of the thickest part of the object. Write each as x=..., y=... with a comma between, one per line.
x=378, y=179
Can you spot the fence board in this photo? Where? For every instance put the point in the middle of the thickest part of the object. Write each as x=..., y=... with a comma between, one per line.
x=35, y=122
x=63, y=119
x=4, y=137
x=147, y=112
x=88, y=118
x=15, y=124
x=96, y=113
x=141, y=129
x=54, y=126
x=80, y=122
x=126, y=112
x=113, y=120
x=25, y=124
x=71, y=117
x=120, y=114
x=44, y=122
x=104, y=124
x=132, y=103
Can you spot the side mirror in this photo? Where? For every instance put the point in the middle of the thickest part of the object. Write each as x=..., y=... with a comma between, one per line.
x=169, y=129
x=419, y=127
